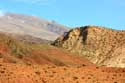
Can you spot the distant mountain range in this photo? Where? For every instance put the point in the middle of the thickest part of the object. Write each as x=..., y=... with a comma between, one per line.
x=31, y=25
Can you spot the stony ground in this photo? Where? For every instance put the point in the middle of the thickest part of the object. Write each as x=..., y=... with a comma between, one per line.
x=13, y=73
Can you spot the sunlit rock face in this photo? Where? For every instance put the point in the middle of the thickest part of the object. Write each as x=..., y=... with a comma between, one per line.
x=100, y=45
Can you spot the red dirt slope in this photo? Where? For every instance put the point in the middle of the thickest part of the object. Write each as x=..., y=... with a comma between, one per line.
x=14, y=51
x=59, y=57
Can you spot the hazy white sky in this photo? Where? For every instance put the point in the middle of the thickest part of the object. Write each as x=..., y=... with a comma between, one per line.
x=1, y=13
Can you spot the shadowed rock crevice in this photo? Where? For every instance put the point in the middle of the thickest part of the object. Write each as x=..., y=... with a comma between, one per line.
x=84, y=33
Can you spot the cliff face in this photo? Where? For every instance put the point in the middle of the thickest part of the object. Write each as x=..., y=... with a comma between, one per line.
x=100, y=45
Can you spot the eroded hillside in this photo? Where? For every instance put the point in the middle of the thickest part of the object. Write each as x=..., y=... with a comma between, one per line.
x=100, y=45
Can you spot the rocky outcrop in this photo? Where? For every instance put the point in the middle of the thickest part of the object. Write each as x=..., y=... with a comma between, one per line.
x=100, y=45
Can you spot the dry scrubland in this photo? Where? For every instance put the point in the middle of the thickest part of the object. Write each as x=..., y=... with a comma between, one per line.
x=24, y=62
x=13, y=73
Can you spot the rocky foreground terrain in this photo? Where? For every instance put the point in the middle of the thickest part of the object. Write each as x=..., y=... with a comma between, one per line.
x=102, y=46
x=13, y=73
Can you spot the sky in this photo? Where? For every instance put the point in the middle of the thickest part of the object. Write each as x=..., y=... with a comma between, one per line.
x=71, y=13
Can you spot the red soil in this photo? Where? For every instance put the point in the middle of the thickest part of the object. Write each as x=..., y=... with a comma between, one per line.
x=13, y=73
x=61, y=56
x=51, y=56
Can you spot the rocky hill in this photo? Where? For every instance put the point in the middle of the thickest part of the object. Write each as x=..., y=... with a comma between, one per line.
x=31, y=25
x=102, y=46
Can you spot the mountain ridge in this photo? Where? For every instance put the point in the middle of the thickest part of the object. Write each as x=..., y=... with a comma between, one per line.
x=31, y=25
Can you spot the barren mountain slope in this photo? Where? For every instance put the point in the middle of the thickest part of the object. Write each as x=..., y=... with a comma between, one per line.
x=18, y=52
x=27, y=38
x=31, y=25
x=100, y=45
